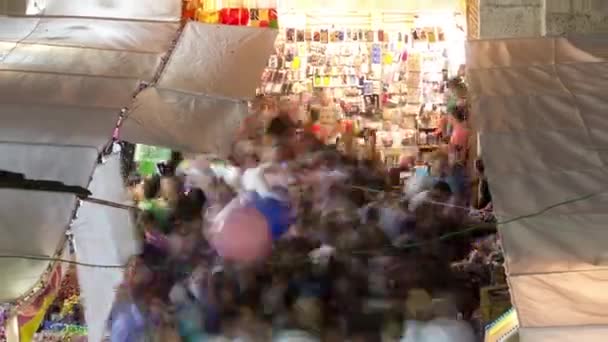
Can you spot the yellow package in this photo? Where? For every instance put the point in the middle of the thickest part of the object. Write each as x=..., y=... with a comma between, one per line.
x=387, y=59
x=295, y=64
x=209, y=17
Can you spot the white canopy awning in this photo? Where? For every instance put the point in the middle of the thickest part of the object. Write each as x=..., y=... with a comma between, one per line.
x=539, y=105
x=63, y=83
x=199, y=100
x=103, y=236
x=158, y=10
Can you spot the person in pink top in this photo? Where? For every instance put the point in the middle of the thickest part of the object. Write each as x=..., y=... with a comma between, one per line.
x=460, y=135
x=459, y=140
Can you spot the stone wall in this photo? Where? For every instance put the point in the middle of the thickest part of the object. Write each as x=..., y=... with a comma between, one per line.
x=581, y=16
x=529, y=18
x=510, y=18
x=13, y=7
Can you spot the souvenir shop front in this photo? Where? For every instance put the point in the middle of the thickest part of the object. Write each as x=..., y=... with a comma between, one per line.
x=385, y=67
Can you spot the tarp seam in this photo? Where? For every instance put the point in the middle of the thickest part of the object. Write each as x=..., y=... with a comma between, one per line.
x=139, y=20
x=50, y=104
x=6, y=55
x=195, y=94
x=69, y=74
x=80, y=47
x=157, y=75
x=583, y=270
x=31, y=143
x=576, y=102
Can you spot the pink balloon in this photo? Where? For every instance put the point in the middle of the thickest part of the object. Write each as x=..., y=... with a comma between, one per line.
x=242, y=236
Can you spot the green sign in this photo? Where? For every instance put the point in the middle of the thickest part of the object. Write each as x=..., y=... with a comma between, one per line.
x=148, y=156
x=152, y=153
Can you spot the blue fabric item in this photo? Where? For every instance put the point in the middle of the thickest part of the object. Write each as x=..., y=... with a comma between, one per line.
x=422, y=171
x=213, y=320
x=277, y=213
x=189, y=322
x=312, y=288
x=457, y=180
x=127, y=323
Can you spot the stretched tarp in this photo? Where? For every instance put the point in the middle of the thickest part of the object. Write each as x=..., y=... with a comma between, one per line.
x=158, y=10
x=539, y=105
x=199, y=100
x=63, y=82
x=103, y=236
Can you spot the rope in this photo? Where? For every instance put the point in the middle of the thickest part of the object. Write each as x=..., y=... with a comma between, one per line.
x=441, y=238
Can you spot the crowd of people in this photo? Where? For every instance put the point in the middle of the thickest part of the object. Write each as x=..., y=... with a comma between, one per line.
x=351, y=259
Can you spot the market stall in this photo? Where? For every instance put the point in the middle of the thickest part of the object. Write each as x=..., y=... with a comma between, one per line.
x=387, y=67
x=57, y=133
x=390, y=61
x=64, y=320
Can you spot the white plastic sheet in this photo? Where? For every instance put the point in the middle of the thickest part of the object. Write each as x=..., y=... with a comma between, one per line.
x=169, y=10
x=185, y=122
x=588, y=333
x=63, y=82
x=33, y=222
x=78, y=62
x=219, y=60
x=198, y=103
x=104, y=236
x=539, y=105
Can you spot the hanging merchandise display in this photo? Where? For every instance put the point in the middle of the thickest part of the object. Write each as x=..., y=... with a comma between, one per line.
x=31, y=315
x=262, y=13
x=388, y=71
x=4, y=318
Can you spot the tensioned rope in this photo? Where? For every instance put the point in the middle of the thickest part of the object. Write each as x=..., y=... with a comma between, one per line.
x=441, y=238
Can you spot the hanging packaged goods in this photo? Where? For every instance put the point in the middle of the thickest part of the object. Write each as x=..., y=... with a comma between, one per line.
x=387, y=69
x=235, y=13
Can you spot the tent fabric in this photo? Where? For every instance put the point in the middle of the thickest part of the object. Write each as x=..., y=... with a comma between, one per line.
x=160, y=10
x=204, y=85
x=90, y=62
x=564, y=334
x=33, y=222
x=539, y=107
x=102, y=235
x=184, y=122
x=218, y=60
x=63, y=83
x=56, y=70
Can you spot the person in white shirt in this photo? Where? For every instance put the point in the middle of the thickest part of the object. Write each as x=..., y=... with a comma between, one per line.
x=444, y=327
